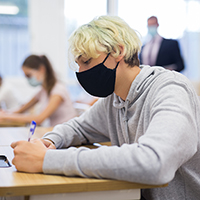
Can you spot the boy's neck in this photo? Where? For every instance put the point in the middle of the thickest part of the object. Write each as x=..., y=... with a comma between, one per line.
x=125, y=76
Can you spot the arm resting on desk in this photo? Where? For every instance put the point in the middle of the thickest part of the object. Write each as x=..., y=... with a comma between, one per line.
x=53, y=104
x=168, y=143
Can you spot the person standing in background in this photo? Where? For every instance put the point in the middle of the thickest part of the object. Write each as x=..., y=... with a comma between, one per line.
x=53, y=97
x=159, y=51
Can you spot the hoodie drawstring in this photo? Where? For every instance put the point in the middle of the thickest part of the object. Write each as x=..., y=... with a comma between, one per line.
x=125, y=120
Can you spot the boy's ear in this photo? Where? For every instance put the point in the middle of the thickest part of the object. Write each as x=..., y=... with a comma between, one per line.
x=121, y=55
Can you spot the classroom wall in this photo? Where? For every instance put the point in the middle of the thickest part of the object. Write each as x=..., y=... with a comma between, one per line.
x=47, y=31
x=190, y=46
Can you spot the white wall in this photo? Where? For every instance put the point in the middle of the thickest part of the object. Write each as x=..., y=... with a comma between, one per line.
x=47, y=30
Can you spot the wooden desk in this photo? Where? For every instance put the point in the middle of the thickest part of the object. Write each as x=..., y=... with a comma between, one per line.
x=13, y=183
x=12, y=124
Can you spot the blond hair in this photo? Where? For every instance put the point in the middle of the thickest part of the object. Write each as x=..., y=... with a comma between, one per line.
x=106, y=34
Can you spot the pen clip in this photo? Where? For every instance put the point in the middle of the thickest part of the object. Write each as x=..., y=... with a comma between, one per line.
x=32, y=127
x=32, y=130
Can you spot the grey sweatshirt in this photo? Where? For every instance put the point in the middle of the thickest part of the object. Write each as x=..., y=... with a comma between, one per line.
x=154, y=135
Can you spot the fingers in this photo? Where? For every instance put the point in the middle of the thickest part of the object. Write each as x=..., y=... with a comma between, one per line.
x=14, y=161
x=52, y=146
x=28, y=156
x=36, y=141
x=48, y=143
x=14, y=144
x=41, y=141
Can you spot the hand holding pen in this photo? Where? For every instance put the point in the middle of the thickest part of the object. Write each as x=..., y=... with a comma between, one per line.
x=29, y=156
x=32, y=130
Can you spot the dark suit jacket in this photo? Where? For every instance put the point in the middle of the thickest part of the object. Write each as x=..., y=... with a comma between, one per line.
x=169, y=53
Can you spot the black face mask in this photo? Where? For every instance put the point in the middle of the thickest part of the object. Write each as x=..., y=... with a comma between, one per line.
x=99, y=80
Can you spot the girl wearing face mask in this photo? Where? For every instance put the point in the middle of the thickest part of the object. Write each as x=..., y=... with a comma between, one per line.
x=53, y=97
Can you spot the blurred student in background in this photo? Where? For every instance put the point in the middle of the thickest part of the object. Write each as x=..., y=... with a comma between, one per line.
x=8, y=97
x=53, y=97
x=159, y=51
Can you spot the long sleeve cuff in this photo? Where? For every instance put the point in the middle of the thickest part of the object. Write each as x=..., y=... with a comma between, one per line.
x=63, y=161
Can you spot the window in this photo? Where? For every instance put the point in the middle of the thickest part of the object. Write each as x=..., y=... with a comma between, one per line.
x=14, y=36
x=170, y=13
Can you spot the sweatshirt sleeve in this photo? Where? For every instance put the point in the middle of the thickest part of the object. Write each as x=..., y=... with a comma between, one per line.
x=170, y=141
x=82, y=130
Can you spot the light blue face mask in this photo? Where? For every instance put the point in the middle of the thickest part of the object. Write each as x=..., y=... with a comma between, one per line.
x=152, y=30
x=34, y=82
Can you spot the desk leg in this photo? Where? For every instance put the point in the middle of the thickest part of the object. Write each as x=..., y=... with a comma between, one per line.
x=133, y=194
x=26, y=197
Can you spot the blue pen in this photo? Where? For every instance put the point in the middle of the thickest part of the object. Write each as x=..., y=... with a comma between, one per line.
x=32, y=130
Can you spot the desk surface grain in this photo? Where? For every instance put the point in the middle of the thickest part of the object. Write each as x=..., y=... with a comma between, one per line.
x=6, y=123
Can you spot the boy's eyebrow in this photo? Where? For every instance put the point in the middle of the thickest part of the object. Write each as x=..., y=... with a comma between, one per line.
x=78, y=58
x=82, y=55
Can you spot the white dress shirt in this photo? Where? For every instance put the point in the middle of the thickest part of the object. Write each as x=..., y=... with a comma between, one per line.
x=150, y=50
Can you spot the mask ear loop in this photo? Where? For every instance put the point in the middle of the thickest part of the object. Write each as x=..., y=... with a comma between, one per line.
x=106, y=58
x=117, y=65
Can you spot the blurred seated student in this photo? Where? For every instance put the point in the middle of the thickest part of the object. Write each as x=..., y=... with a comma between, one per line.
x=159, y=51
x=8, y=97
x=53, y=96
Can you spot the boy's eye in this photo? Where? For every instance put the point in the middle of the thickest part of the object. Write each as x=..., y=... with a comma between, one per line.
x=87, y=61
